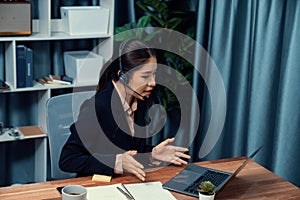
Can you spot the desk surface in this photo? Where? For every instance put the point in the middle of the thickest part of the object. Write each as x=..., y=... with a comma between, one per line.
x=253, y=182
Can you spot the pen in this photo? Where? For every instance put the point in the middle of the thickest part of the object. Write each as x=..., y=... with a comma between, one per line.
x=127, y=191
x=127, y=195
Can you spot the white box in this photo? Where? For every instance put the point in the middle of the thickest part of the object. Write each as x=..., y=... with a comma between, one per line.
x=85, y=20
x=83, y=66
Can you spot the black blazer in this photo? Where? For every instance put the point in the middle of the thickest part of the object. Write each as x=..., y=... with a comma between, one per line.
x=101, y=132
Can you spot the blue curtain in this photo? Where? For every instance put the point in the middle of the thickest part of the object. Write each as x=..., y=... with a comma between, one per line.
x=256, y=47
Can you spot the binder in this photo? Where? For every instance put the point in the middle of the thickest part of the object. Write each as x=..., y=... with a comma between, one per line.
x=29, y=69
x=24, y=67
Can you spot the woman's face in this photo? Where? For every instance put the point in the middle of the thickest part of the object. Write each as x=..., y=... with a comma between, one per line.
x=143, y=80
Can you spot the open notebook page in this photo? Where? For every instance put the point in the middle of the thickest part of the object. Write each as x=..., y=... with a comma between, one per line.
x=140, y=191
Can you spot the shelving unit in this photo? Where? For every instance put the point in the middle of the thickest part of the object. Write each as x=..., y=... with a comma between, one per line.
x=47, y=33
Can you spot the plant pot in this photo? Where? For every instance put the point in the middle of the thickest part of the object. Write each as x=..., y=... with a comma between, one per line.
x=206, y=197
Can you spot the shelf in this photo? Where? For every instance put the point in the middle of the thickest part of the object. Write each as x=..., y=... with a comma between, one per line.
x=54, y=36
x=25, y=132
x=24, y=107
x=64, y=36
x=40, y=87
x=84, y=84
x=32, y=132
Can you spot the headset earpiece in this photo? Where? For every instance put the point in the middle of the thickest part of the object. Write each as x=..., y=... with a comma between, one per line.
x=123, y=77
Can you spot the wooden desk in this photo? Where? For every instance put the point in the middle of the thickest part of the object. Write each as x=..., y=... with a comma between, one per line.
x=253, y=182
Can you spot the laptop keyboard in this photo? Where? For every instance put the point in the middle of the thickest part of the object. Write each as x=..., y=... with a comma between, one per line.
x=215, y=177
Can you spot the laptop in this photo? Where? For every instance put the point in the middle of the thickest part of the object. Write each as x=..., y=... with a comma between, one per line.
x=188, y=180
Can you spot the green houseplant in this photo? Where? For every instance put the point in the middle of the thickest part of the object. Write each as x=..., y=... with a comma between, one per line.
x=164, y=16
x=170, y=15
x=206, y=190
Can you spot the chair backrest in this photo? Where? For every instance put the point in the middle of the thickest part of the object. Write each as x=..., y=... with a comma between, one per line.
x=61, y=112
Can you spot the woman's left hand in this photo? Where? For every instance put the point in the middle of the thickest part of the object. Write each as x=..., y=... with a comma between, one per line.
x=169, y=153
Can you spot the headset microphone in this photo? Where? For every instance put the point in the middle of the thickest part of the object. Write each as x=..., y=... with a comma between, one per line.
x=144, y=97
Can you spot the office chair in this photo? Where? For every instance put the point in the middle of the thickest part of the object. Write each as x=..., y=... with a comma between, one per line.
x=61, y=112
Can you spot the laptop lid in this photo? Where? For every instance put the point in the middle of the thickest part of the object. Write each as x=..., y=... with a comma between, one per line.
x=243, y=164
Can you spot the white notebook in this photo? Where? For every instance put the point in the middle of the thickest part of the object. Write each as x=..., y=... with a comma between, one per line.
x=140, y=191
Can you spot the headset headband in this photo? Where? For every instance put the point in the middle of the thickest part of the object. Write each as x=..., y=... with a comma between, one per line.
x=121, y=48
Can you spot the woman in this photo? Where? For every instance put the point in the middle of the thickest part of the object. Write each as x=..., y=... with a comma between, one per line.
x=109, y=136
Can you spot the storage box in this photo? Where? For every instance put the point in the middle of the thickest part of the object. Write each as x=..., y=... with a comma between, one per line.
x=15, y=18
x=85, y=20
x=83, y=66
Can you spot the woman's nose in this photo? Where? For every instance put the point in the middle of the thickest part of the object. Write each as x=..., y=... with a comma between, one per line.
x=152, y=82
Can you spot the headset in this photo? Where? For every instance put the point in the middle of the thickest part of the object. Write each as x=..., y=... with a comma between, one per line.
x=123, y=77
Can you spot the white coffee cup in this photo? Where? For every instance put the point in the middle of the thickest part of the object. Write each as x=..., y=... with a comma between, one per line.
x=74, y=192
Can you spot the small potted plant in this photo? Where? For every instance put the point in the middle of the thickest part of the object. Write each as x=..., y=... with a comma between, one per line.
x=206, y=190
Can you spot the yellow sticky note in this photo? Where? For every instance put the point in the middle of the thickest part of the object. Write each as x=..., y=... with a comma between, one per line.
x=102, y=178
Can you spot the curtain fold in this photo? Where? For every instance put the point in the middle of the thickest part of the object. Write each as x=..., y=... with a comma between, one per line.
x=255, y=45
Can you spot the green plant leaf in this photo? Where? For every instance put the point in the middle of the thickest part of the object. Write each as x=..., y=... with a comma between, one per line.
x=141, y=24
x=206, y=187
x=160, y=6
x=173, y=23
x=150, y=36
x=123, y=28
x=124, y=36
x=143, y=21
x=151, y=13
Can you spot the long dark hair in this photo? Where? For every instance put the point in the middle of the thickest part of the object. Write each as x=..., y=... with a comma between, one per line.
x=130, y=55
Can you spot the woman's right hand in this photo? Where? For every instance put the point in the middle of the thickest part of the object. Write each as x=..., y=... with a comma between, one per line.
x=132, y=166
